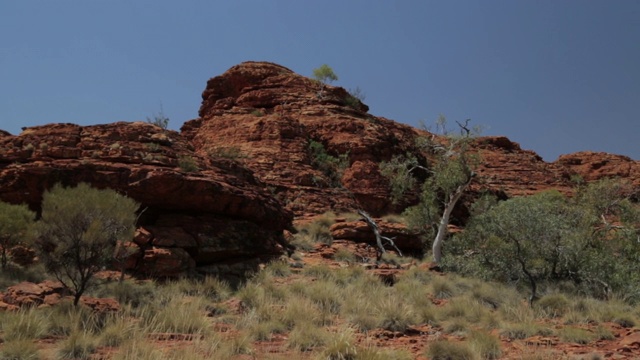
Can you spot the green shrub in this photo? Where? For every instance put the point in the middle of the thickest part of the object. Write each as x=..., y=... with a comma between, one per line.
x=332, y=167
x=188, y=164
x=448, y=350
x=94, y=221
x=159, y=119
x=15, y=221
x=324, y=74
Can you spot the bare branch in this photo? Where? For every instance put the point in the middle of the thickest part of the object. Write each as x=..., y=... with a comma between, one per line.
x=376, y=231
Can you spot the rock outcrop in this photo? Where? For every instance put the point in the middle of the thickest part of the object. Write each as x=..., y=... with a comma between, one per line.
x=268, y=116
x=222, y=191
x=49, y=293
x=197, y=211
x=592, y=166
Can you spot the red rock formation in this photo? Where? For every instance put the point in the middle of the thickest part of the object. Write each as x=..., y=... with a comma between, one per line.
x=251, y=145
x=217, y=207
x=269, y=114
x=49, y=293
x=593, y=166
x=359, y=231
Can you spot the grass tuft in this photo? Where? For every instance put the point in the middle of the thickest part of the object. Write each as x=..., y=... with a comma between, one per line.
x=19, y=350
x=449, y=350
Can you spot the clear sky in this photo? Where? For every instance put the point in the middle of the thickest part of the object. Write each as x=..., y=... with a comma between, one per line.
x=557, y=76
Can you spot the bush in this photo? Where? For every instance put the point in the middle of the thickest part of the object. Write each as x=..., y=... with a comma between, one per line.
x=188, y=164
x=15, y=221
x=324, y=74
x=93, y=221
x=332, y=167
x=159, y=119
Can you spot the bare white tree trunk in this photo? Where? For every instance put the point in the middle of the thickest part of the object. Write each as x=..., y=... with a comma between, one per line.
x=444, y=220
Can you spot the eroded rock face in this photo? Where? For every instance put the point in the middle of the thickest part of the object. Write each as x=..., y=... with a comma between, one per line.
x=358, y=231
x=49, y=293
x=593, y=166
x=269, y=115
x=198, y=212
x=226, y=186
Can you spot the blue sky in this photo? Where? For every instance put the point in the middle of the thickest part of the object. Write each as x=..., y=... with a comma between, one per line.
x=557, y=76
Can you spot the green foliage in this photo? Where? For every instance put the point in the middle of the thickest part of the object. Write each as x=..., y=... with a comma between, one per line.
x=324, y=74
x=450, y=175
x=354, y=98
x=159, y=119
x=547, y=238
x=78, y=231
x=399, y=172
x=332, y=167
x=15, y=222
x=188, y=164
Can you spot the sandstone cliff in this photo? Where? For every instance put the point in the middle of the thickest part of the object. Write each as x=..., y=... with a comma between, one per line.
x=223, y=189
x=217, y=212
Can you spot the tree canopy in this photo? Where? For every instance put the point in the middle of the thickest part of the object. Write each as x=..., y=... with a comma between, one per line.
x=15, y=221
x=79, y=230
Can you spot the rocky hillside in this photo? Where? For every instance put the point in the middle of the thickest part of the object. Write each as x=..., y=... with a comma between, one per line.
x=222, y=191
x=198, y=212
x=269, y=116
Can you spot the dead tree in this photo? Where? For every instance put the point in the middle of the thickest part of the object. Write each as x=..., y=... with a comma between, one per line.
x=379, y=238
